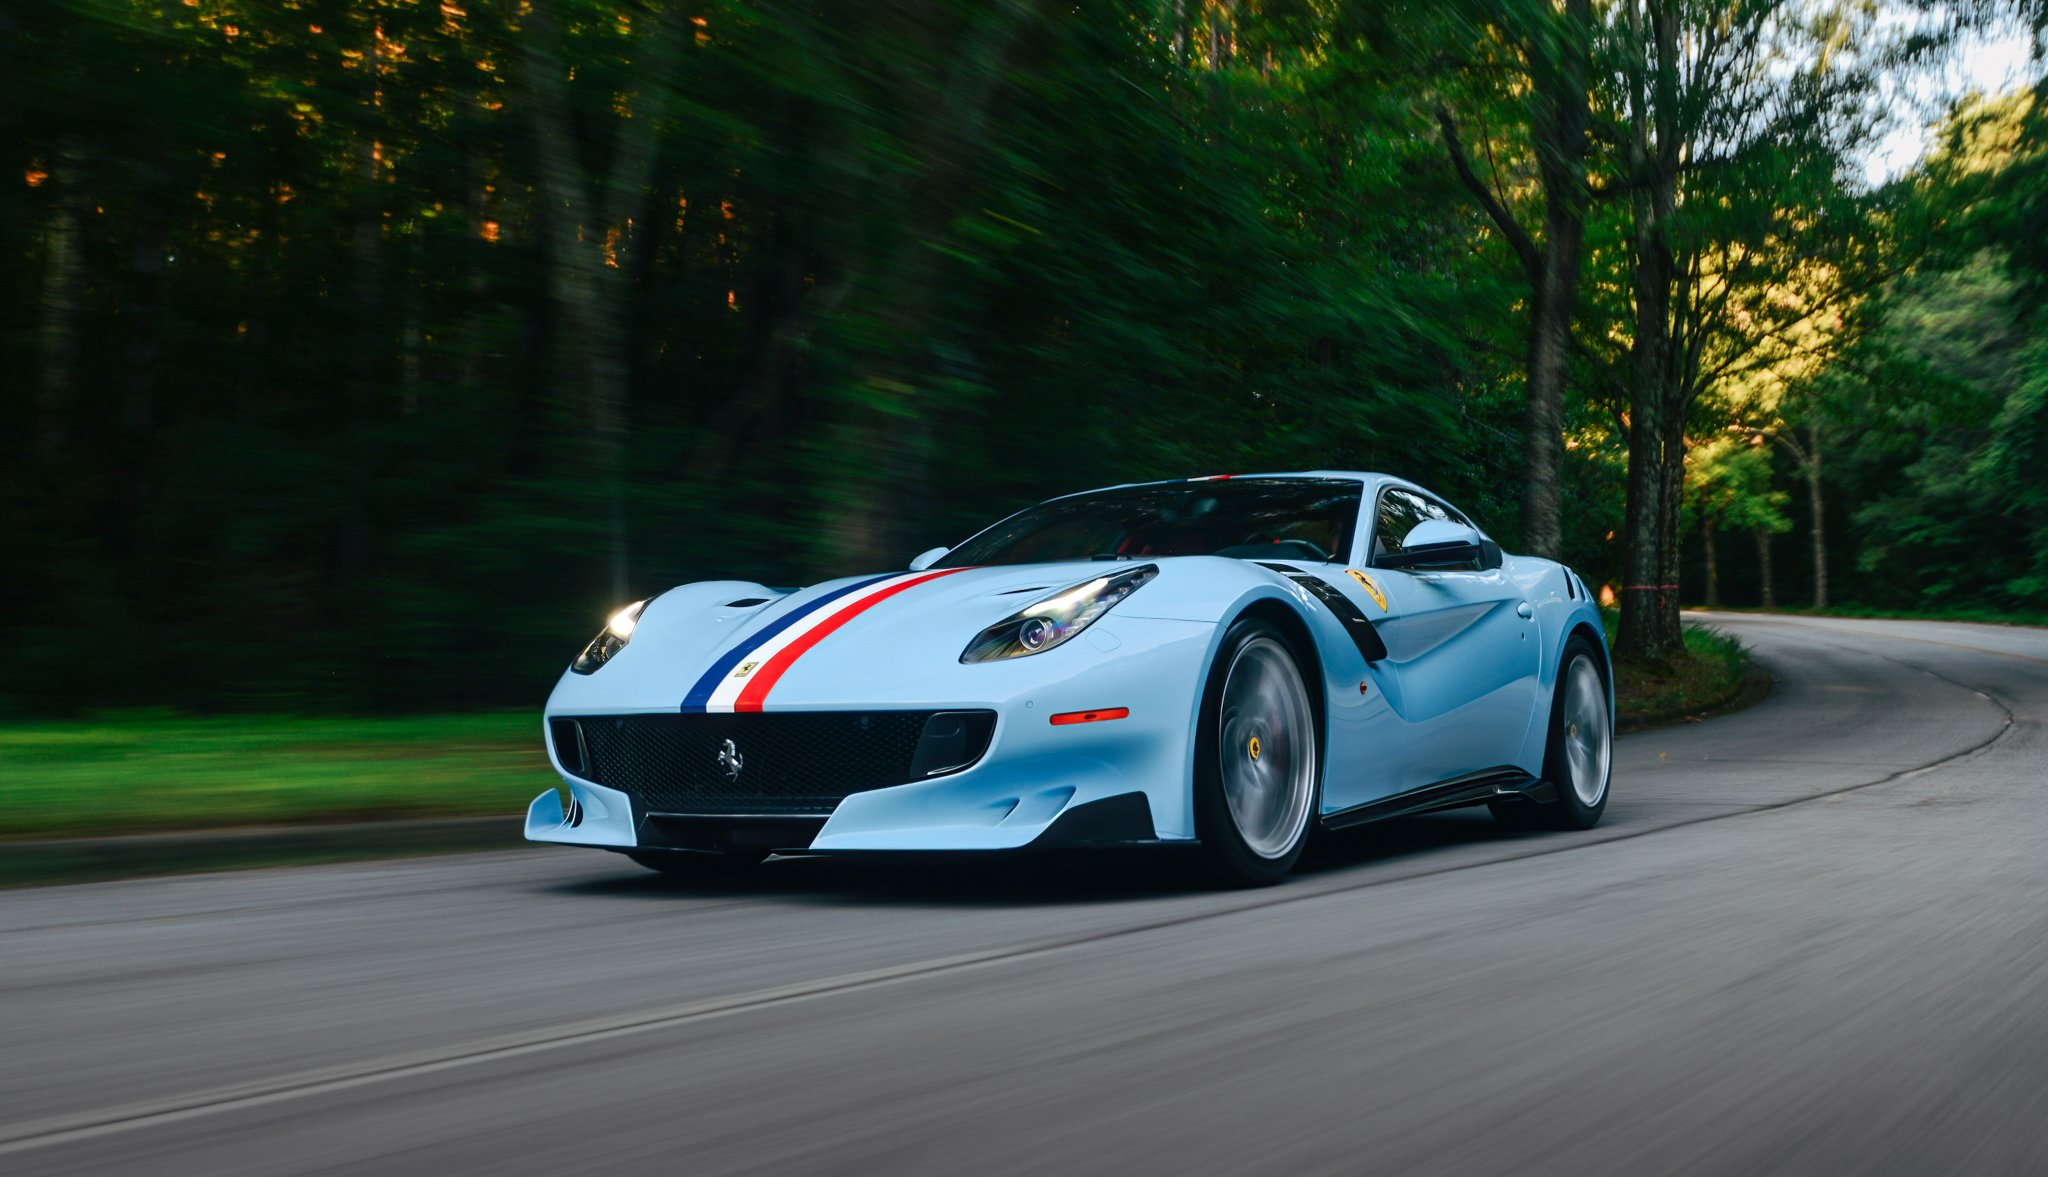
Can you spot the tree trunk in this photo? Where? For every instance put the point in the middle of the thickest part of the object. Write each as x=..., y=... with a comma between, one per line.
x=1561, y=163
x=586, y=284
x=143, y=326
x=884, y=439
x=1558, y=72
x=1763, y=560
x=1637, y=635
x=1707, y=545
x=1813, y=499
x=410, y=330
x=1669, y=630
x=1550, y=331
x=476, y=245
x=63, y=282
x=369, y=345
x=368, y=248
x=1648, y=619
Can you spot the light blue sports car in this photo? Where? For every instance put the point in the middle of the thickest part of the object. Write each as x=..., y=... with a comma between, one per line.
x=1230, y=661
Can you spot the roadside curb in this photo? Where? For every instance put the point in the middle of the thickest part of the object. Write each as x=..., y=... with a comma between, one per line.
x=76, y=860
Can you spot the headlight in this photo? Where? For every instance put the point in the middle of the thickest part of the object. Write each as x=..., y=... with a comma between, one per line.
x=1055, y=619
x=609, y=640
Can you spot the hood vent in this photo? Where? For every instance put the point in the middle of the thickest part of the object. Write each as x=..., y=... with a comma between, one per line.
x=746, y=602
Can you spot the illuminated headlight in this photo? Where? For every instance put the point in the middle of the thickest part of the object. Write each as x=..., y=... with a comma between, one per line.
x=1055, y=619
x=609, y=640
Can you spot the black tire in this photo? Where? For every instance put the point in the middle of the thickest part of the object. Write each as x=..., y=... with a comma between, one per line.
x=1572, y=810
x=1231, y=859
x=697, y=864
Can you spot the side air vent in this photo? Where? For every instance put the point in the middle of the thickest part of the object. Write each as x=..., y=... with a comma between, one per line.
x=1570, y=590
x=567, y=738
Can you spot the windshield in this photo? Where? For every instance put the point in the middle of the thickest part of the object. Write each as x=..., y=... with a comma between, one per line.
x=1246, y=518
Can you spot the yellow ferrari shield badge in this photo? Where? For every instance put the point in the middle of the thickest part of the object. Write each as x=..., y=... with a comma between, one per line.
x=1371, y=588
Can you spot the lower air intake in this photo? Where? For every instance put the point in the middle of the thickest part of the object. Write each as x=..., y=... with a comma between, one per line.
x=772, y=763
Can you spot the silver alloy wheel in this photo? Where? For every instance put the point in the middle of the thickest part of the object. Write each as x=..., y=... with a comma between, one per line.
x=1267, y=743
x=1588, y=746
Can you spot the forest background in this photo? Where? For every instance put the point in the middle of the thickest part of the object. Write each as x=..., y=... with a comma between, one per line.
x=362, y=354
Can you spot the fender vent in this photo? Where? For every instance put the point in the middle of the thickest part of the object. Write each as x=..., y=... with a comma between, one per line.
x=1370, y=645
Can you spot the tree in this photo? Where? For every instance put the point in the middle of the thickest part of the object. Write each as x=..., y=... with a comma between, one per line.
x=1552, y=48
x=589, y=228
x=1748, y=247
x=1728, y=488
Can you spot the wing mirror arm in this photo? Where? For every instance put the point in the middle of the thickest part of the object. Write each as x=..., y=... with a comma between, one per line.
x=927, y=558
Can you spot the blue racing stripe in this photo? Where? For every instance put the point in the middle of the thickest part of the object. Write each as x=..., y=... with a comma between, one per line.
x=700, y=695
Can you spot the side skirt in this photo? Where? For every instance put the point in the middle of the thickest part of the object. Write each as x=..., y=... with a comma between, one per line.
x=1477, y=788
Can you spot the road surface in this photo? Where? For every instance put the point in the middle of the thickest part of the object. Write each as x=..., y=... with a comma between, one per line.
x=1809, y=938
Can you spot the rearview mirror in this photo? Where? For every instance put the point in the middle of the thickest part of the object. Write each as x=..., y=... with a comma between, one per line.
x=1434, y=543
x=927, y=558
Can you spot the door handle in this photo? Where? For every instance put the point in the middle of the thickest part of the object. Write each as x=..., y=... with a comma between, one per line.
x=1525, y=611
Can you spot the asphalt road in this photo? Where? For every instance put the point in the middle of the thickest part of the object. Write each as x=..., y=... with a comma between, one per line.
x=1810, y=938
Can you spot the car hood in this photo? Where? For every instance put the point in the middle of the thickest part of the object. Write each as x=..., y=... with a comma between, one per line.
x=693, y=639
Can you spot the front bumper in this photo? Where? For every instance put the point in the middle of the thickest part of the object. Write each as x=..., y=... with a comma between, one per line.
x=1038, y=782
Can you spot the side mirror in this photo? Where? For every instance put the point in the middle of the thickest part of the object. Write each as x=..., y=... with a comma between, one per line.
x=1435, y=543
x=927, y=558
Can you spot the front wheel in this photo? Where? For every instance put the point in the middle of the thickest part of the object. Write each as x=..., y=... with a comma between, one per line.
x=1257, y=768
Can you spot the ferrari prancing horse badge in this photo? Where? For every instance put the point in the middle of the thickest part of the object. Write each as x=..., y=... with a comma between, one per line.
x=1371, y=588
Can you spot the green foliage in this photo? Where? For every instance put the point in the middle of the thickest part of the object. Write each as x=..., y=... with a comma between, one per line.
x=311, y=421
x=134, y=773
x=1946, y=408
x=364, y=351
x=1728, y=488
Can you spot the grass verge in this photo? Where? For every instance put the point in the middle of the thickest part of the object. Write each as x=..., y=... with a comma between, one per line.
x=1712, y=674
x=267, y=789
x=140, y=773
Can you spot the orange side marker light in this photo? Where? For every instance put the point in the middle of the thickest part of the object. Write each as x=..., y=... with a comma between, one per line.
x=1091, y=716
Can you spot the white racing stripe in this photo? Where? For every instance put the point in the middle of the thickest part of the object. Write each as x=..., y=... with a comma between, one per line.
x=727, y=693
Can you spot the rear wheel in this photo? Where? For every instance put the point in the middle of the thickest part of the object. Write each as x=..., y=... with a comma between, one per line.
x=1257, y=768
x=1579, y=757
x=697, y=864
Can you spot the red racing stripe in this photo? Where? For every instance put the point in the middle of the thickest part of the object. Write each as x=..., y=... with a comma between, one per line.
x=764, y=679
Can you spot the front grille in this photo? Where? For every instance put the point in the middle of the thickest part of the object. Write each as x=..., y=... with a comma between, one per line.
x=795, y=762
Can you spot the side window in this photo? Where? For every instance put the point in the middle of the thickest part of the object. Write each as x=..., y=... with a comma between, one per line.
x=1400, y=512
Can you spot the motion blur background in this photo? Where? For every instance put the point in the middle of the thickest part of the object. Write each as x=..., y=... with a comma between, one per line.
x=360, y=355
